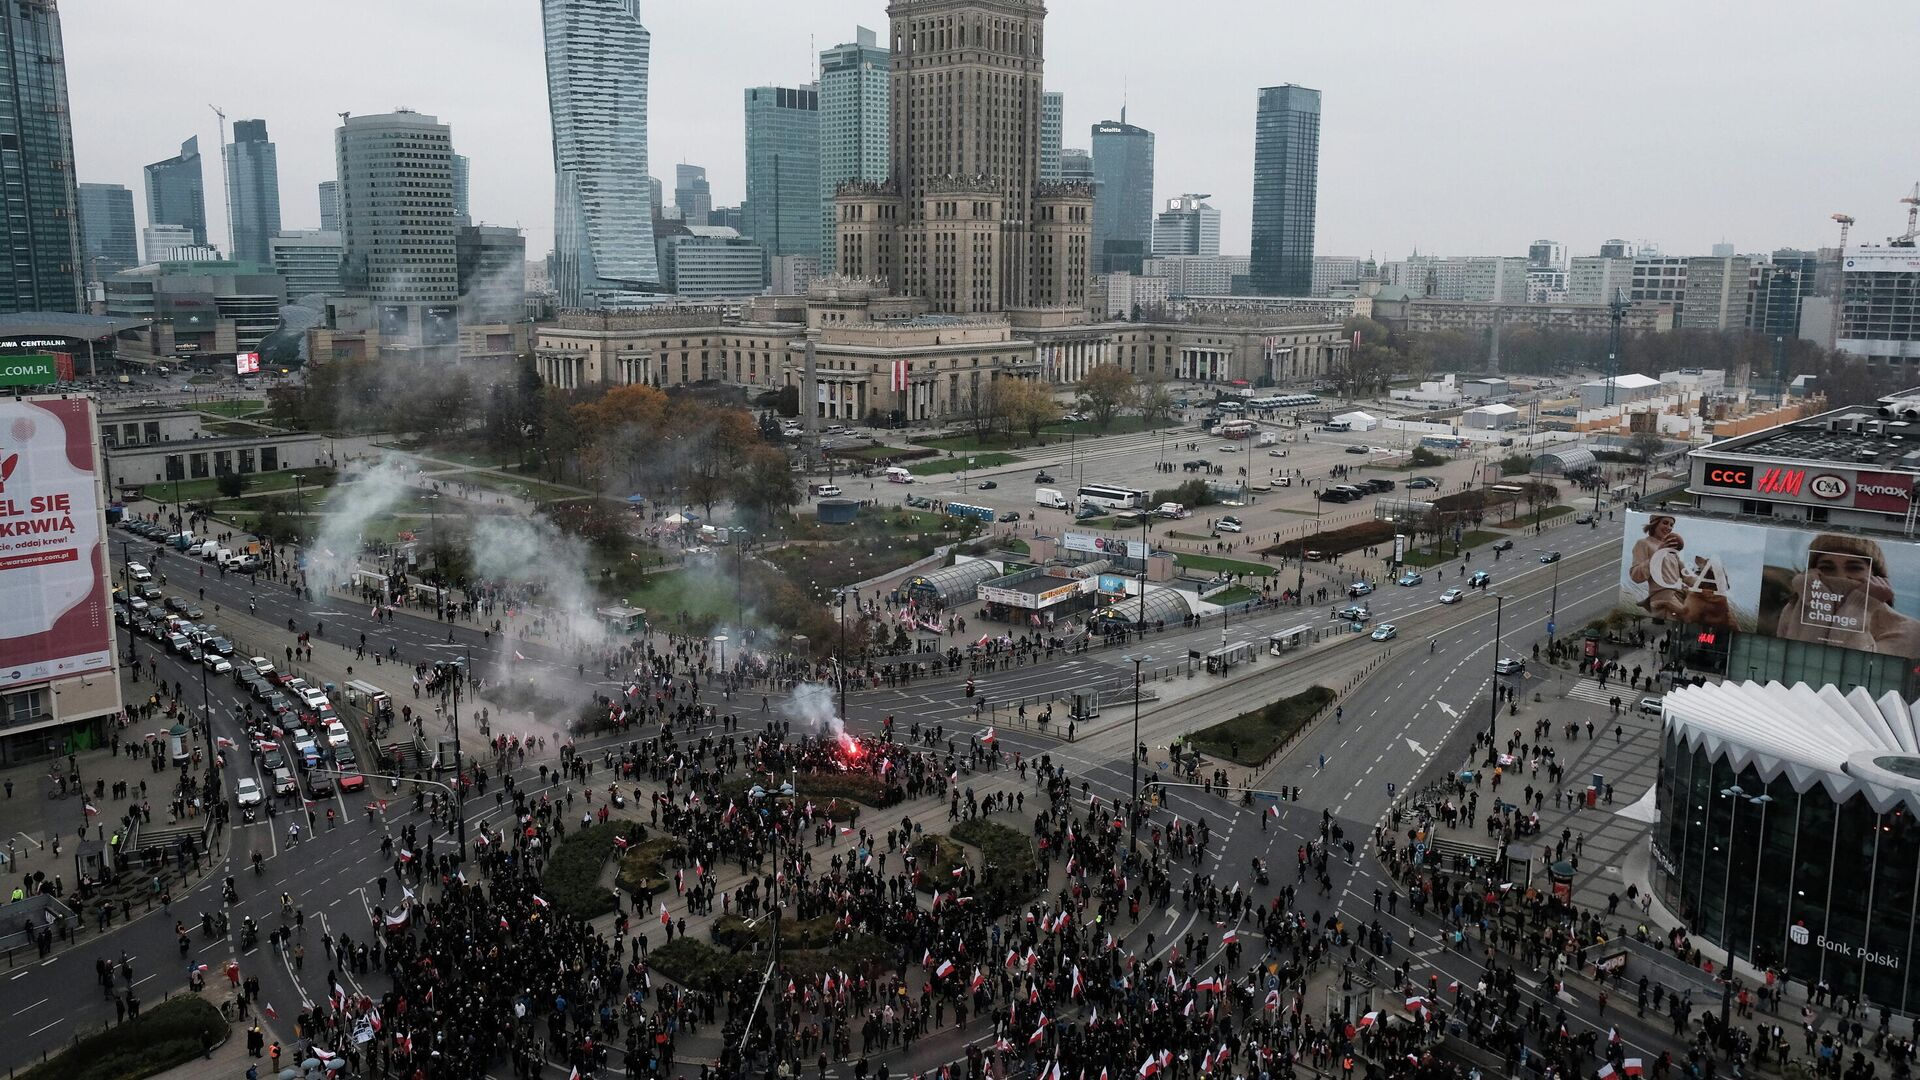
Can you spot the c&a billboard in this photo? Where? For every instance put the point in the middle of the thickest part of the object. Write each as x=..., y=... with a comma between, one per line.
x=54, y=623
x=1832, y=588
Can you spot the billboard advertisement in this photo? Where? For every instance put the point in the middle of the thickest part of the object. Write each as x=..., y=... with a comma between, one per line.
x=53, y=554
x=1830, y=588
x=1113, y=547
x=246, y=363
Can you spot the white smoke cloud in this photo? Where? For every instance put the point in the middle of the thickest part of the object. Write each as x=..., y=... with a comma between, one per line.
x=365, y=493
x=813, y=705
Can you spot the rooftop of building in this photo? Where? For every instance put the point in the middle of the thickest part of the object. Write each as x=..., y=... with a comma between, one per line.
x=1629, y=381
x=63, y=324
x=1885, y=436
x=1849, y=742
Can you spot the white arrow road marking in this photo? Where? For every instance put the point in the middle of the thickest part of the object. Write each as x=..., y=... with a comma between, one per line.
x=1416, y=747
x=1448, y=709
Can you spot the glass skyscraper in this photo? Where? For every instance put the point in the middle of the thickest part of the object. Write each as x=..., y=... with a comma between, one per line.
x=253, y=191
x=1286, y=182
x=42, y=219
x=109, y=238
x=1122, y=196
x=462, y=174
x=598, y=56
x=175, y=193
x=783, y=169
x=854, y=115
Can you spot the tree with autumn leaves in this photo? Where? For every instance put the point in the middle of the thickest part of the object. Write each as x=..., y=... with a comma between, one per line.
x=637, y=439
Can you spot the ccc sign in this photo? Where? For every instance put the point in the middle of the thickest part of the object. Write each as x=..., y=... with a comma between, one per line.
x=1729, y=476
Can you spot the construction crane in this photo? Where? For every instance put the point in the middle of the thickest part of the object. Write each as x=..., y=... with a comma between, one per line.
x=1839, y=283
x=1617, y=310
x=226, y=178
x=1913, y=220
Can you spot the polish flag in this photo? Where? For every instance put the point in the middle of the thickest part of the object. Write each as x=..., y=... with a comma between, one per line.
x=1149, y=1067
x=1273, y=811
x=1273, y=1000
x=517, y=656
x=1206, y=1062
x=406, y=856
x=272, y=1014
x=620, y=842
x=90, y=809
x=1633, y=1067
x=1038, y=1033
x=959, y=871
x=1011, y=960
x=665, y=919
x=1077, y=984
x=945, y=969
x=1230, y=937
x=979, y=980
x=988, y=737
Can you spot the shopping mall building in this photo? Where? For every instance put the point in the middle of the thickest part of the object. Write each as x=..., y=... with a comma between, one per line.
x=1787, y=793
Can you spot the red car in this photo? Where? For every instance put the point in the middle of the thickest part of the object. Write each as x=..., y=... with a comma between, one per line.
x=351, y=782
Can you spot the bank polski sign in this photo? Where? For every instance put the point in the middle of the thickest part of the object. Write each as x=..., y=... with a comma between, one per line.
x=1800, y=935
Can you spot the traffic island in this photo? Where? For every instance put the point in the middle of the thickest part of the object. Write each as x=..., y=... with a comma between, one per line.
x=1254, y=738
x=176, y=1031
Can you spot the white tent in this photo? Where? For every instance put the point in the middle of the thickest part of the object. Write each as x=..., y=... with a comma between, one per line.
x=1359, y=421
x=675, y=519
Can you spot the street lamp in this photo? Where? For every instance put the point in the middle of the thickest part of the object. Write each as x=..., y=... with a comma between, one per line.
x=842, y=595
x=1133, y=751
x=1737, y=794
x=721, y=640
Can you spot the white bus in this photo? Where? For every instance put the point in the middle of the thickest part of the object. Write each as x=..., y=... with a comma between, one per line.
x=898, y=475
x=1109, y=497
x=1236, y=429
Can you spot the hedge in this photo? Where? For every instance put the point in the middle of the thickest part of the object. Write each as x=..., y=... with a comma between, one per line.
x=572, y=878
x=735, y=933
x=1336, y=542
x=171, y=1033
x=1252, y=737
x=699, y=966
x=1010, y=876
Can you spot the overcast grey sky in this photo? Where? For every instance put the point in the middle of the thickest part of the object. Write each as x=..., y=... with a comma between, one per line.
x=1462, y=128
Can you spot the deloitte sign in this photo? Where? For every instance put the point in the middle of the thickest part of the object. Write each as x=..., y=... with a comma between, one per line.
x=33, y=369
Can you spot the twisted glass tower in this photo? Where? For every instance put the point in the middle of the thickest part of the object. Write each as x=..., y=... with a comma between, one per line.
x=597, y=62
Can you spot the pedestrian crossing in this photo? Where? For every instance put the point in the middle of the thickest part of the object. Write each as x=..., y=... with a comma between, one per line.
x=1591, y=690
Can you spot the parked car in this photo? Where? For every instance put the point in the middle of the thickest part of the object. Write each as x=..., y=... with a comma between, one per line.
x=1509, y=665
x=1505, y=544
x=1650, y=705
x=987, y=485
x=1007, y=516
x=1360, y=588
x=1229, y=524
x=283, y=782
x=1584, y=518
x=829, y=491
x=1417, y=482
x=1356, y=449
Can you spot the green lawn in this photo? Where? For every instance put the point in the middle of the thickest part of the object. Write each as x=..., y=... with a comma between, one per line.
x=895, y=522
x=537, y=490
x=667, y=596
x=968, y=463
x=1122, y=425
x=1238, y=594
x=1098, y=523
x=1176, y=535
x=232, y=427
x=257, y=484
x=1525, y=520
x=1250, y=738
x=1423, y=555
x=237, y=407
x=1018, y=547
x=1218, y=565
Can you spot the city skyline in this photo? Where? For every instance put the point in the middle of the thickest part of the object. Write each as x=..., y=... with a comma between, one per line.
x=1449, y=189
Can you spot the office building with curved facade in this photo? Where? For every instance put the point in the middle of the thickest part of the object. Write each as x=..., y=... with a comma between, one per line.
x=1787, y=831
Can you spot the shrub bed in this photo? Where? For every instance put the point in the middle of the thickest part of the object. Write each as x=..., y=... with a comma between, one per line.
x=937, y=855
x=1248, y=739
x=862, y=787
x=572, y=879
x=699, y=966
x=1336, y=542
x=168, y=1034
x=1008, y=878
x=644, y=866
x=735, y=933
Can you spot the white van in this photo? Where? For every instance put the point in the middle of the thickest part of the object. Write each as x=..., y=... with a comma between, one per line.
x=1050, y=498
x=898, y=475
x=207, y=550
x=138, y=572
